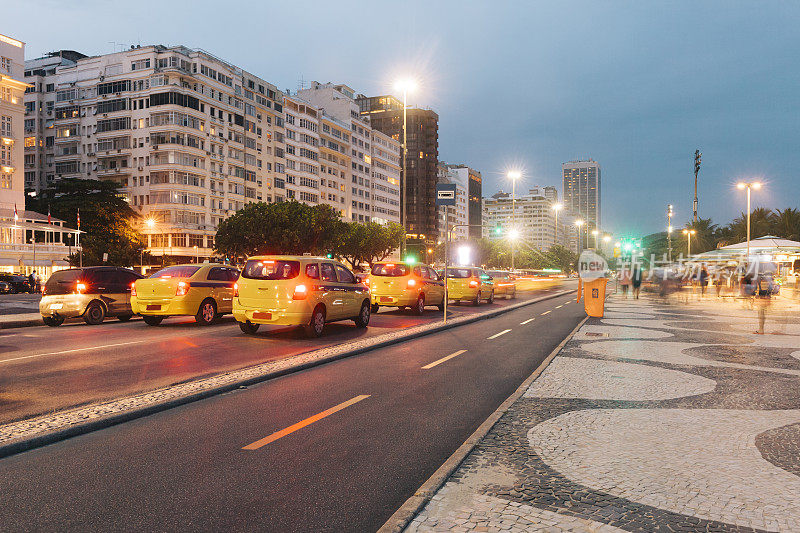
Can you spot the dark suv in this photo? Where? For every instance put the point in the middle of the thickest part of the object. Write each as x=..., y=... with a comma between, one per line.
x=91, y=292
x=17, y=282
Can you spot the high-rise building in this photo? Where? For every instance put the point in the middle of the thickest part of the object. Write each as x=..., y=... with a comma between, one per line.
x=30, y=241
x=531, y=214
x=457, y=215
x=370, y=187
x=582, y=193
x=419, y=179
x=189, y=137
x=471, y=179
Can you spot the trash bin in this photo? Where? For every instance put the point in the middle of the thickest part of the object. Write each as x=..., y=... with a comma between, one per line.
x=592, y=269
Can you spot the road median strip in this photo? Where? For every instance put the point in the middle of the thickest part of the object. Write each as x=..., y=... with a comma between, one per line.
x=31, y=433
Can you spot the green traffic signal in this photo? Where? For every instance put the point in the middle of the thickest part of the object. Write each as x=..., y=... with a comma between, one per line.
x=498, y=230
x=410, y=259
x=329, y=256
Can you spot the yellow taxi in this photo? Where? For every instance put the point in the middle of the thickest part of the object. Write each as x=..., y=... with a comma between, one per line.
x=287, y=290
x=470, y=284
x=204, y=291
x=505, y=284
x=405, y=286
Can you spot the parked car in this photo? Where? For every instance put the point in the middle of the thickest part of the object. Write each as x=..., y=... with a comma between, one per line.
x=18, y=283
x=298, y=291
x=5, y=287
x=469, y=284
x=90, y=292
x=403, y=285
x=202, y=291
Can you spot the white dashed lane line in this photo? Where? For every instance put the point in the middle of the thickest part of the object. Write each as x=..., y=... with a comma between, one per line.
x=498, y=334
x=559, y=306
x=545, y=313
x=443, y=359
x=526, y=321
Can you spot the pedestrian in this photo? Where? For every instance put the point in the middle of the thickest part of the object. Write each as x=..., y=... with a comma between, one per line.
x=763, y=289
x=703, y=277
x=625, y=280
x=32, y=282
x=636, y=281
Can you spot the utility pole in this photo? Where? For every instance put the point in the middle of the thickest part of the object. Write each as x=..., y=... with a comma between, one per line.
x=697, y=157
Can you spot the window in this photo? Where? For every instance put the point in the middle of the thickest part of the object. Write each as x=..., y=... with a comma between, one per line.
x=5, y=64
x=140, y=64
x=72, y=111
x=113, y=124
x=174, y=98
x=109, y=106
x=344, y=275
x=312, y=270
x=271, y=270
x=113, y=87
x=327, y=272
x=5, y=125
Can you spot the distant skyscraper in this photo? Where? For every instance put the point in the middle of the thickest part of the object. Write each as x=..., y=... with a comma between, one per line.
x=582, y=193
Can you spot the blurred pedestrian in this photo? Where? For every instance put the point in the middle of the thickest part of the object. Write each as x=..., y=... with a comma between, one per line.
x=636, y=281
x=625, y=280
x=703, y=278
x=763, y=289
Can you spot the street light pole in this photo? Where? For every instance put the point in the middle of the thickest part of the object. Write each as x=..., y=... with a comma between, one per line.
x=513, y=175
x=404, y=199
x=752, y=185
x=669, y=233
x=557, y=207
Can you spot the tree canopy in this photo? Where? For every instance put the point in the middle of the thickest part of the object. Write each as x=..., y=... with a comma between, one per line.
x=368, y=242
x=106, y=217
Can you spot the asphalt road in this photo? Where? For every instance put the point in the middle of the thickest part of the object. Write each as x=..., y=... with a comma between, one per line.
x=44, y=369
x=402, y=410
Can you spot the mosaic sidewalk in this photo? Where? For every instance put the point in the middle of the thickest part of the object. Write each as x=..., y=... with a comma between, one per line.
x=657, y=417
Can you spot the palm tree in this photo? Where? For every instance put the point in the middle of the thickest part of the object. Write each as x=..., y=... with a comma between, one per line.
x=786, y=224
x=760, y=225
x=705, y=237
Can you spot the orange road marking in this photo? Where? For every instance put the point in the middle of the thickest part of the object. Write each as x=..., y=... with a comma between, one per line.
x=303, y=423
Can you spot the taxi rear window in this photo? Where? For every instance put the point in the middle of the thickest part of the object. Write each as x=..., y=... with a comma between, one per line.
x=390, y=270
x=459, y=273
x=272, y=270
x=180, y=271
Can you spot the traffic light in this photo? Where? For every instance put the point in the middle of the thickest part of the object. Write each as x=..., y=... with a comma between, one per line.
x=329, y=255
x=498, y=230
x=410, y=259
x=697, y=158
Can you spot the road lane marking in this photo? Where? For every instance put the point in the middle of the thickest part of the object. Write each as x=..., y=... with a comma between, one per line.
x=73, y=350
x=545, y=313
x=303, y=423
x=498, y=334
x=443, y=359
x=559, y=306
x=526, y=321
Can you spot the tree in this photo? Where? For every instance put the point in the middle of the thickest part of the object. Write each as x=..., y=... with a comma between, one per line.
x=761, y=222
x=280, y=228
x=368, y=242
x=786, y=223
x=105, y=217
x=705, y=237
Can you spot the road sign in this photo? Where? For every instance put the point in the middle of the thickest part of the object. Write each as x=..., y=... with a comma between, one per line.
x=445, y=194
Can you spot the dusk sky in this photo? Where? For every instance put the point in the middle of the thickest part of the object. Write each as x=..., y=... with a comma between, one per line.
x=637, y=86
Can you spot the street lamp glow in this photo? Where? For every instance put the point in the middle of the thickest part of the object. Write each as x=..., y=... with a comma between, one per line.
x=595, y=232
x=558, y=207
x=606, y=238
x=150, y=223
x=617, y=244
x=513, y=234
x=405, y=85
x=579, y=222
x=464, y=254
x=514, y=174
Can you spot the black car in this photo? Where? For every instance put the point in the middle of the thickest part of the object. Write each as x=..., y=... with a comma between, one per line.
x=5, y=288
x=18, y=283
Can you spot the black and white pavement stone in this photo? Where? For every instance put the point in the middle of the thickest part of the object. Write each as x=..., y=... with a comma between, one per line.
x=655, y=418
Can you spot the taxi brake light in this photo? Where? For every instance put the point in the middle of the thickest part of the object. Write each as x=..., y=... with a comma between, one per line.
x=412, y=283
x=236, y=289
x=183, y=288
x=300, y=292
x=80, y=287
x=473, y=283
x=133, y=289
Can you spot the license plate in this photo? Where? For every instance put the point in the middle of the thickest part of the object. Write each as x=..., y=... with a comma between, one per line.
x=262, y=315
x=386, y=298
x=154, y=307
x=56, y=306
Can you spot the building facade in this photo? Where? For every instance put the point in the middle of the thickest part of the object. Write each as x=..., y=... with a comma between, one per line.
x=531, y=214
x=457, y=215
x=581, y=180
x=29, y=241
x=472, y=181
x=189, y=137
x=372, y=192
x=418, y=192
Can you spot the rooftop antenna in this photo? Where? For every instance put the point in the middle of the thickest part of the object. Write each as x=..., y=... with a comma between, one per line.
x=301, y=83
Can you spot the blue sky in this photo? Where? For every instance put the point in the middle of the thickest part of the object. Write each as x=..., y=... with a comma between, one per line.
x=638, y=86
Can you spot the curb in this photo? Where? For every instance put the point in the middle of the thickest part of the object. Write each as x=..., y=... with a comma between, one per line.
x=406, y=513
x=21, y=323
x=80, y=428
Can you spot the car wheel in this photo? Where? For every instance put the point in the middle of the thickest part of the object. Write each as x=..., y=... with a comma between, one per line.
x=152, y=320
x=362, y=320
x=375, y=309
x=420, y=307
x=248, y=327
x=317, y=324
x=491, y=297
x=207, y=312
x=477, y=301
x=53, y=321
x=124, y=318
x=95, y=314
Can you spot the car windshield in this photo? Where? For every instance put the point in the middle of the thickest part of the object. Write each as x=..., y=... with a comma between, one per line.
x=180, y=271
x=459, y=273
x=271, y=269
x=391, y=270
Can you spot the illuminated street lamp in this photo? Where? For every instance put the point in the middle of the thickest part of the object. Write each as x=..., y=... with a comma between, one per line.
x=407, y=85
x=752, y=185
x=689, y=233
x=557, y=207
x=513, y=175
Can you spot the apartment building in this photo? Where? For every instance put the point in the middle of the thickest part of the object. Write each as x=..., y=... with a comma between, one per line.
x=29, y=241
x=531, y=214
x=582, y=192
x=372, y=192
x=472, y=180
x=457, y=215
x=419, y=180
x=189, y=137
